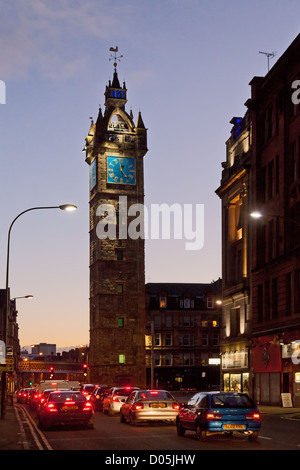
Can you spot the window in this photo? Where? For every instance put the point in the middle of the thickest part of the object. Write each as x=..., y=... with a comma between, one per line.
x=162, y=302
x=157, y=339
x=186, y=340
x=157, y=359
x=210, y=302
x=187, y=359
x=121, y=322
x=157, y=320
x=169, y=359
x=204, y=322
x=168, y=321
x=119, y=255
x=168, y=339
x=186, y=321
x=274, y=298
x=121, y=358
x=120, y=288
x=204, y=339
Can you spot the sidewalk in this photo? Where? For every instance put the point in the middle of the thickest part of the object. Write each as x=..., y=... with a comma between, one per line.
x=279, y=410
x=10, y=431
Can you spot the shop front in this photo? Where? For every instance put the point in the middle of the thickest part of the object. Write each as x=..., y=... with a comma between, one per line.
x=267, y=367
x=235, y=371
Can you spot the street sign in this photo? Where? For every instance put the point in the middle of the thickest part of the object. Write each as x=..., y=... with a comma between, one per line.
x=2, y=353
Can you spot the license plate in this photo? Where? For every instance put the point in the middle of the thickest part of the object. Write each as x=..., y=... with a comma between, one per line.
x=158, y=405
x=69, y=408
x=234, y=426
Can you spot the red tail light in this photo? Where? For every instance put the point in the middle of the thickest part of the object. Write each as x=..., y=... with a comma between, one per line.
x=255, y=416
x=138, y=406
x=51, y=407
x=70, y=403
x=115, y=398
x=213, y=416
x=175, y=406
x=88, y=406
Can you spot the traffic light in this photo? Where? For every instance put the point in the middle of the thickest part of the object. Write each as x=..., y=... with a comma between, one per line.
x=51, y=370
x=85, y=368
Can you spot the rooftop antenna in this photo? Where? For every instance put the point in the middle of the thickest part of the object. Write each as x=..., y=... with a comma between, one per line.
x=269, y=55
x=114, y=57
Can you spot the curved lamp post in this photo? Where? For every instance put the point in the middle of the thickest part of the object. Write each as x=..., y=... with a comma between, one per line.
x=64, y=207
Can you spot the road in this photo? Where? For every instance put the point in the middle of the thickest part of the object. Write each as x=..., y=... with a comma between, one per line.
x=109, y=435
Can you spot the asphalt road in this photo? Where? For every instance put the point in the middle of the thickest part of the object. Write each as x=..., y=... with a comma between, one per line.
x=109, y=436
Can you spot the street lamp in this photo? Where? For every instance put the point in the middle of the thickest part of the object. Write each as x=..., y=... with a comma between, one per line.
x=261, y=215
x=64, y=207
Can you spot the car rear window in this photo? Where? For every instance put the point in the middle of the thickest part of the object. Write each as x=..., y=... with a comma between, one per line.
x=154, y=395
x=224, y=400
x=59, y=397
x=123, y=392
x=90, y=388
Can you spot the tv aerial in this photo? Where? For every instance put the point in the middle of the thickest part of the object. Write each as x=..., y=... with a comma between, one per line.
x=269, y=55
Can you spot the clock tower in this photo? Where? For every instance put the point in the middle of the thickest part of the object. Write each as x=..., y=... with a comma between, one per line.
x=115, y=147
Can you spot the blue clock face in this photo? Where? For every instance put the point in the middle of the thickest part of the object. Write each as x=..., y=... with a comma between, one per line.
x=121, y=170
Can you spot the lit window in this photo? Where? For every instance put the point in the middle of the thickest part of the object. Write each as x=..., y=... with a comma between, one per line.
x=120, y=288
x=120, y=322
x=163, y=302
x=121, y=358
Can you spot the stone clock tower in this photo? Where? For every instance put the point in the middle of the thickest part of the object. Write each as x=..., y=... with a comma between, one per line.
x=115, y=147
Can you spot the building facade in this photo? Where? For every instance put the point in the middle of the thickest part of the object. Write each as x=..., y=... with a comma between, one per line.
x=183, y=326
x=275, y=259
x=234, y=192
x=115, y=147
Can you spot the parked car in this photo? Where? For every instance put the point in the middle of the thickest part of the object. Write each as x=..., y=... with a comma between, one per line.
x=115, y=398
x=219, y=412
x=149, y=405
x=87, y=390
x=98, y=395
x=65, y=408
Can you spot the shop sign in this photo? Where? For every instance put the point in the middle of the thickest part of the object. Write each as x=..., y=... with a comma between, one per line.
x=235, y=360
x=266, y=357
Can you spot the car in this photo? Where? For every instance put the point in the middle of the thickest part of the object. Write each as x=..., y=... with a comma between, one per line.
x=98, y=395
x=31, y=392
x=149, y=405
x=40, y=398
x=115, y=398
x=219, y=412
x=65, y=408
x=22, y=395
x=87, y=390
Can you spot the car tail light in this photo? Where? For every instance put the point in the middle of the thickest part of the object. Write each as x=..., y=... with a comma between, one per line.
x=254, y=416
x=51, y=407
x=213, y=416
x=175, y=406
x=88, y=406
x=69, y=403
x=154, y=392
x=138, y=406
x=115, y=398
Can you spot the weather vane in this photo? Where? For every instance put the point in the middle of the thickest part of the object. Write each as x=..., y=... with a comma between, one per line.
x=114, y=57
x=268, y=54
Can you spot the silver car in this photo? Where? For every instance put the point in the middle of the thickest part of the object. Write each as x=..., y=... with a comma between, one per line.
x=113, y=401
x=149, y=405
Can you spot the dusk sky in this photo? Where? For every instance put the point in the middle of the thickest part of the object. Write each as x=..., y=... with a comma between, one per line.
x=187, y=66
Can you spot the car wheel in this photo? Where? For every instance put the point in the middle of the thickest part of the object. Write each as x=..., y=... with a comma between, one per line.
x=180, y=429
x=200, y=433
x=132, y=421
x=253, y=436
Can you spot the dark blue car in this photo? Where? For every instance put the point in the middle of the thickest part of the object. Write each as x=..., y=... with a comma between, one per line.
x=219, y=412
